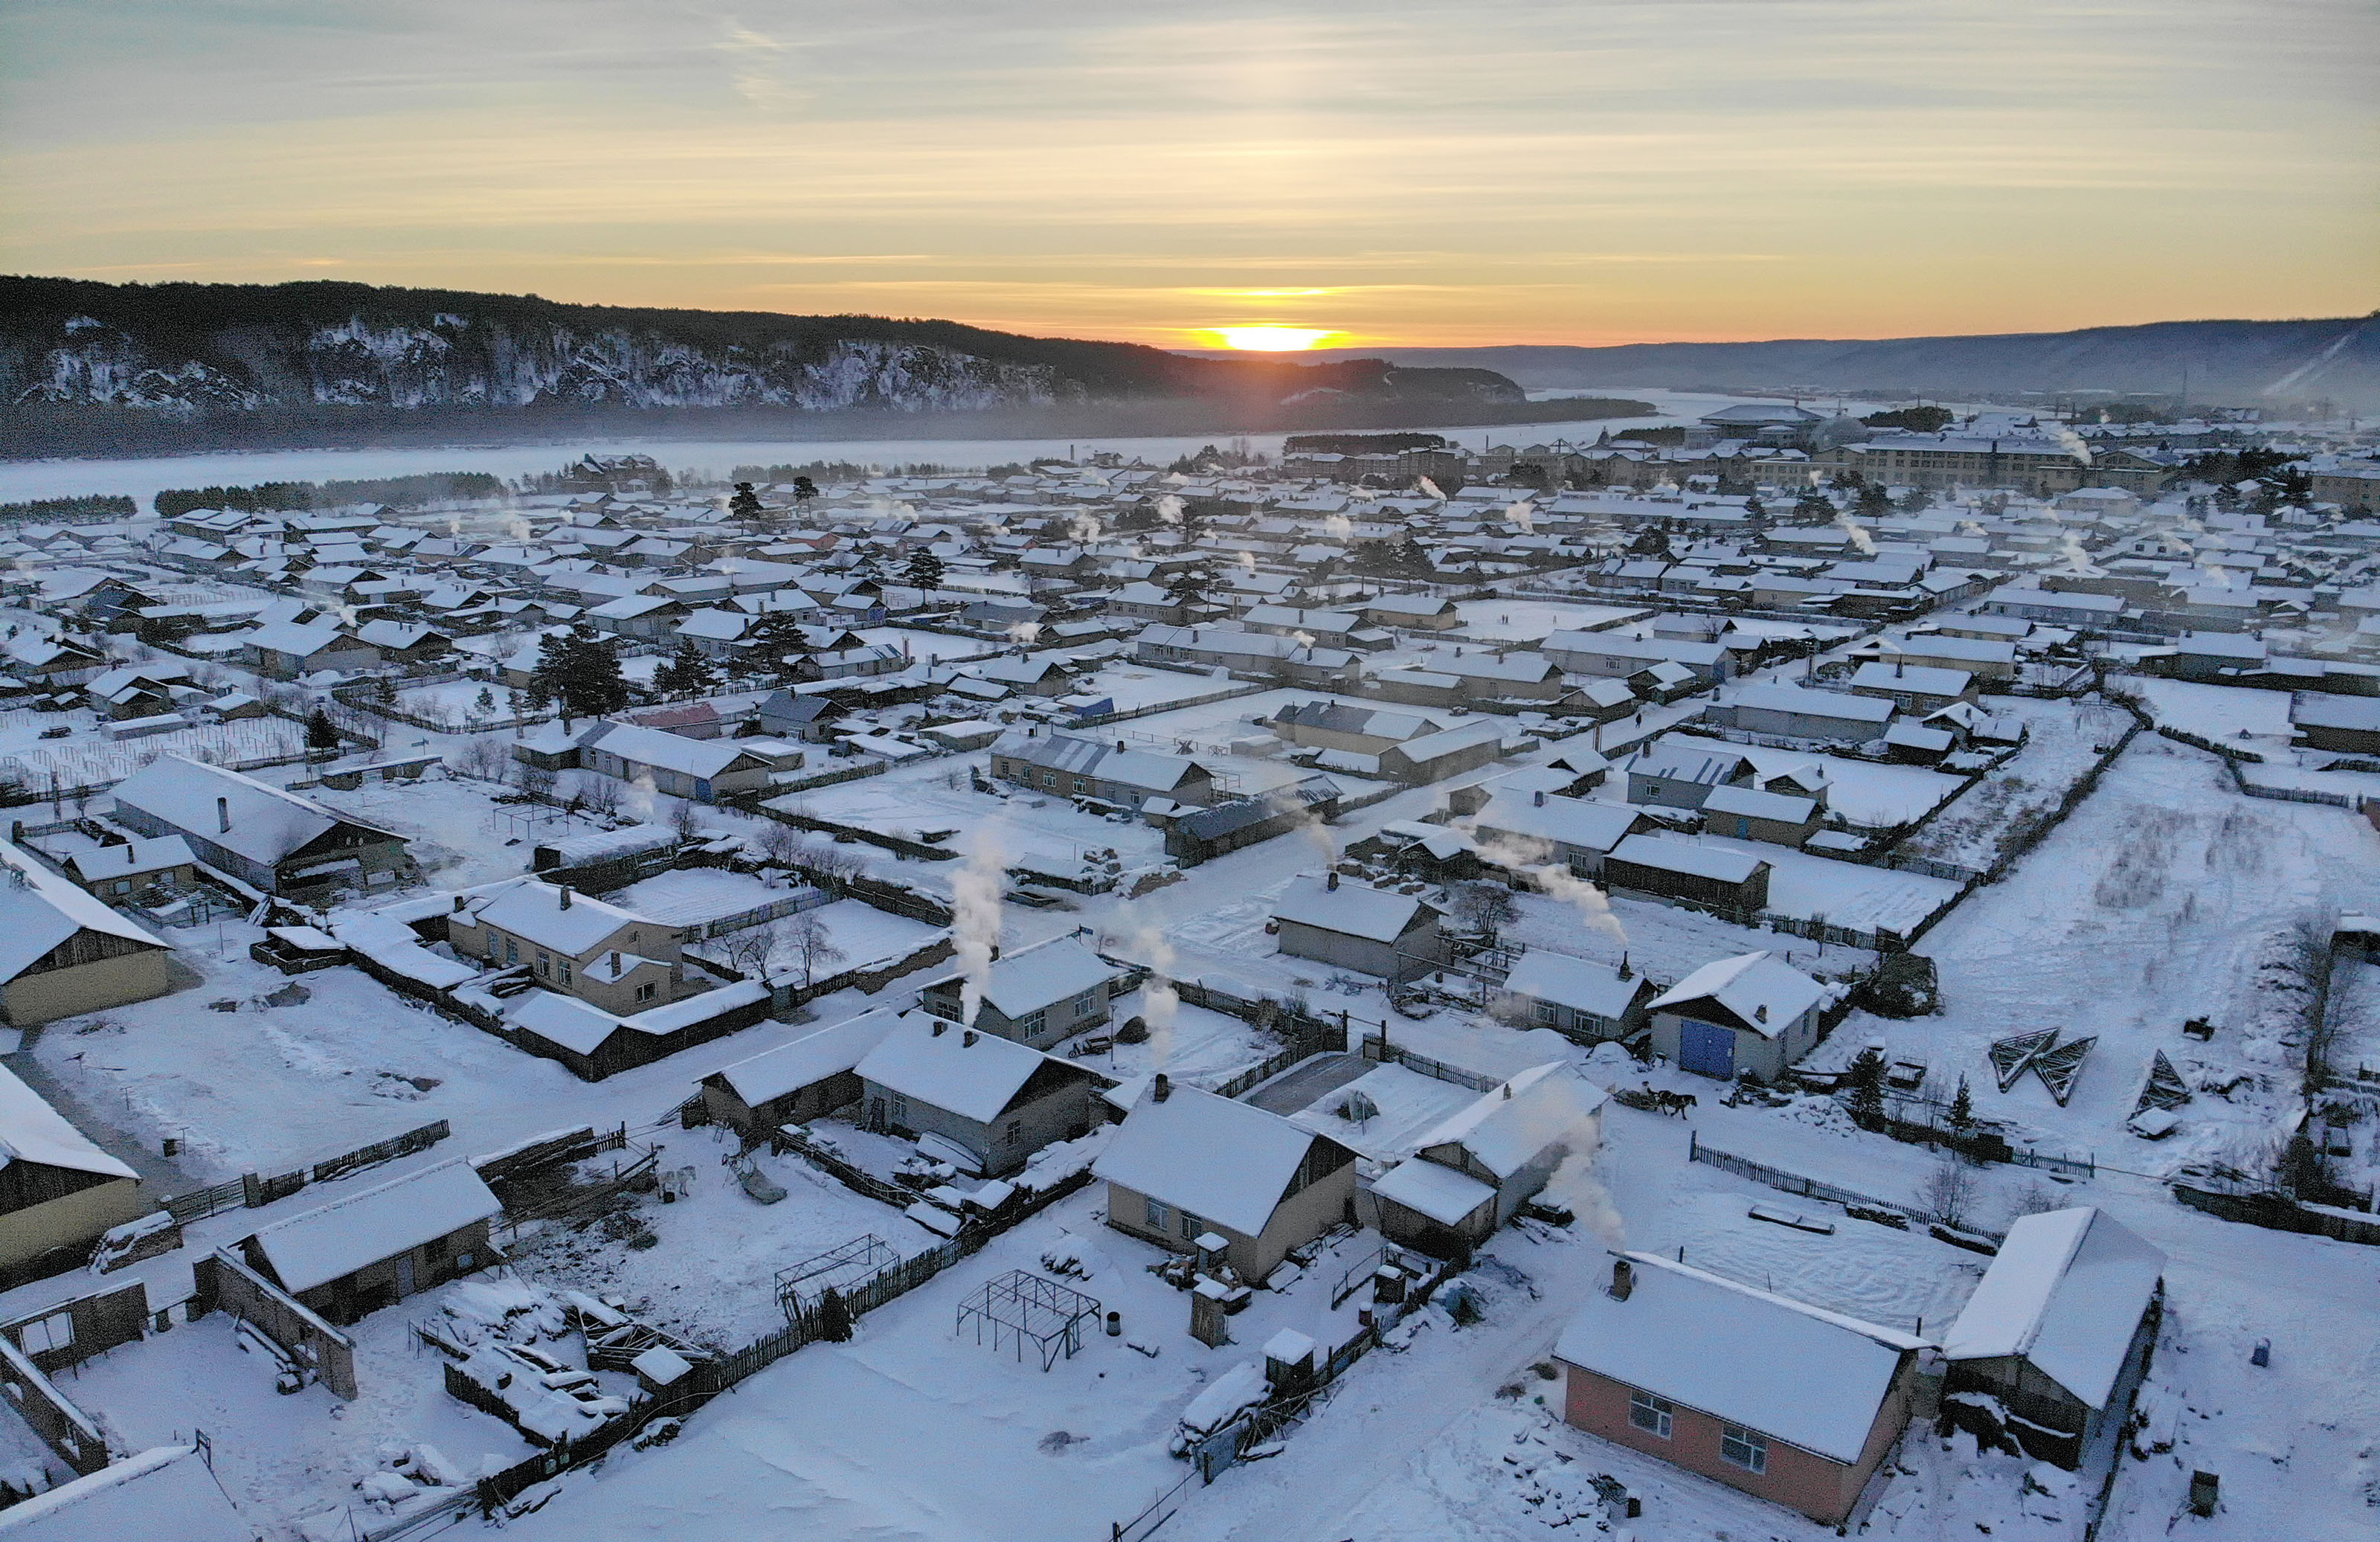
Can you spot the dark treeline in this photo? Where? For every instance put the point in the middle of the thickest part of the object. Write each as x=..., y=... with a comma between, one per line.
x=100, y=507
x=430, y=487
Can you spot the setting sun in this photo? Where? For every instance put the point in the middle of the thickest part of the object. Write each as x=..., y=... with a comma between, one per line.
x=1272, y=339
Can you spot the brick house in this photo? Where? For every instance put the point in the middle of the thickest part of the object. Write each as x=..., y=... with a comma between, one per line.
x=613, y=959
x=1781, y=1400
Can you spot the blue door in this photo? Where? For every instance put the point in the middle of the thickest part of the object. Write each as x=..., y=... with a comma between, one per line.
x=1706, y=1050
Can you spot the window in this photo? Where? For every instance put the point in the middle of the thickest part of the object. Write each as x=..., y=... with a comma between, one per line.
x=1082, y=783
x=1649, y=1412
x=900, y=1108
x=1033, y=1025
x=1014, y=1132
x=1159, y=1215
x=44, y=1334
x=545, y=963
x=1191, y=1227
x=1747, y=1449
x=1087, y=1003
x=646, y=991
x=1548, y=1014
x=512, y=949
x=566, y=971
x=1048, y=779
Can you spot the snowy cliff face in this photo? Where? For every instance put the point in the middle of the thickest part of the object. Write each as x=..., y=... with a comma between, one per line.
x=455, y=361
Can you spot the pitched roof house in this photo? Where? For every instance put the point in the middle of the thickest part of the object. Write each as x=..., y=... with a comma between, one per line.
x=1469, y=1173
x=267, y=837
x=982, y=1102
x=1783, y=1400
x=1187, y=1163
x=1754, y=1013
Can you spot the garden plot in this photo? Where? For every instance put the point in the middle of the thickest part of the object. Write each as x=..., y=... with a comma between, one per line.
x=2064, y=740
x=1863, y=792
x=462, y=704
x=1666, y=943
x=708, y=1271
x=858, y=936
x=88, y=758
x=1192, y=1044
x=927, y=647
x=915, y=1429
x=2165, y=897
x=1132, y=687
x=282, y=1458
x=460, y=835
x=2354, y=1016
x=2231, y=715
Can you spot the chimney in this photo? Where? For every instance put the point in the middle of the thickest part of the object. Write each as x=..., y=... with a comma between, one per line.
x=223, y=816
x=1623, y=1278
x=1625, y=972
x=565, y=901
x=1760, y=1014
x=968, y=1039
x=1508, y=1092
x=459, y=903
x=1161, y=1089
x=615, y=963
x=1331, y=882
x=1120, y=747
x=1541, y=797
x=129, y=859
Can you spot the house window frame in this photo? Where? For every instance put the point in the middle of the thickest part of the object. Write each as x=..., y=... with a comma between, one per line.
x=1548, y=1014
x=1157, y=1215
x=647, y=990
x=55, y=1332
x=1193, y=1226
x=1014, y=1133
x=1753, y=1445
x=1653, y=1415
x=899, y=1104
x=1033, y=1023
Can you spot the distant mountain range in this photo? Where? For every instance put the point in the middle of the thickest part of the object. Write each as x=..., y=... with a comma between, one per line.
x=2221, y=363
x=94, y=368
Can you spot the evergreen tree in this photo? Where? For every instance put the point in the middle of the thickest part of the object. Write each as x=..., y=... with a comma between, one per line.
x=1813, y=505
x=1649, y=542
x=835, y=1318
x=320, y=733
x=687, y=672
x=1413, y=559
x=1753, y=508
x=1875, y=502
x=744, y=508
x=804, y=489
x=1962, y=1109
x=924, y=570
x=778, y=647
x=1189, y=586
x=1866, y=1076
x=579, y=670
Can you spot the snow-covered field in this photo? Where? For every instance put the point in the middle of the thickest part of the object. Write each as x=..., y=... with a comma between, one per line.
x=2064, y=740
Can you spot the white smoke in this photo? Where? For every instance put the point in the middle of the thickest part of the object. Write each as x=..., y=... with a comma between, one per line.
x=1025, y=634
x=1169, y=509
x=1248, y=560
x=1576, y=1183
x=1338, y=527
x=1521, y=514
x=1532, y=856
x=889, y=508
x=1083, y=528
x=2078, y=561
x=2073, y=442
x=1857, y=532
x=1160, y=1003
x=975, y=918
x=1429, y=489
x=1303, y=639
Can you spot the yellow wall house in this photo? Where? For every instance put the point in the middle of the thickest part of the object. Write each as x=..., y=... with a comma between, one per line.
x=57, y=1190
x=63, y=952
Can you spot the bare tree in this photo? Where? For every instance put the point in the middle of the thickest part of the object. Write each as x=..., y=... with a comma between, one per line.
x=601, y=793
x=1948, y=1192
x=1486, y=907
x=748, y=950
x=779, y=843
x=685, y=820
x=808, y=936
x=536, y=782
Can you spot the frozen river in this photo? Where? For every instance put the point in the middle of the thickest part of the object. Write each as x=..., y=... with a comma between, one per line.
x=142, y=478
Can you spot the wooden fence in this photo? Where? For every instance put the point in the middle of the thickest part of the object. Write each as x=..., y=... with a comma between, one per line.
x=251, y=1189
x=1795, y=1182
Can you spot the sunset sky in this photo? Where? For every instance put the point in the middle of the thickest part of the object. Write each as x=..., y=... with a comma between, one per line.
x=1584, y=171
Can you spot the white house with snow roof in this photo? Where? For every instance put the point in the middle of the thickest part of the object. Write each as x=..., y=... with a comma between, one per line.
x=1187, y=1164
x=1469, y=1174
x=1576, y=997
x=983, y=1103
x=1754, y=1013
x=1356, y=927
x=2061, y=1331
x=1037, y=995
x=615, y=959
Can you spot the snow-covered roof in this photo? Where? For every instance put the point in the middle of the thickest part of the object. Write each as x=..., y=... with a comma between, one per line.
x=1761, y=991
x=1751, y=802
x=1576, y=983
x=375, y=1224
x=552, y=915
x=808, y=1059
x=143, y=854
x=1924, y=679
x=1228, y=1162
x=1569, y=821
x=969, y=1073
x=268, y=823
x=2064, y=1291
x=1809, y=1378
x=1813, y=703
x=1352, y=909
x=1507, y=1128
x=164, y=1493
x=32, y=1131
x=39, y=909
x=1032, y=978
x=652, y=747
x=1716, y=862
x=1438, y=1192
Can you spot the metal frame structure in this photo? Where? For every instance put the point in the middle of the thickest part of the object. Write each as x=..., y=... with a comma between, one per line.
x=1018, y=1307
x=800, y=1287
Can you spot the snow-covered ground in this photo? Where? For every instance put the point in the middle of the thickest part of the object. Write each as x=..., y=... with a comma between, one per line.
x=2064, y=739
x=1863, y=792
